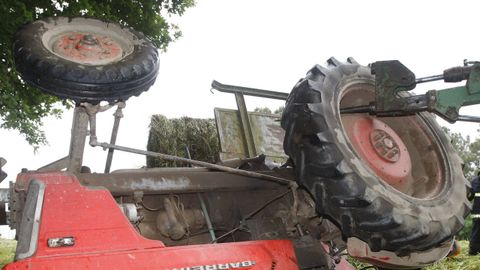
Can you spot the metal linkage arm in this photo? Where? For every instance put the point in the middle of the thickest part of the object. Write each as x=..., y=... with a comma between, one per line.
x=393, y=79
x=248, y=91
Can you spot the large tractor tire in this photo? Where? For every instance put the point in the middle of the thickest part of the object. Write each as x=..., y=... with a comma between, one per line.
x=84, y=59
x=395, y=183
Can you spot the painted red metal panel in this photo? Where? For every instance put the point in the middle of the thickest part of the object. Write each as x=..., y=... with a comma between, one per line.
x=104, y=238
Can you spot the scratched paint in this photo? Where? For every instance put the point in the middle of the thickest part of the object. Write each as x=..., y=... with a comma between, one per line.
x=154, y=184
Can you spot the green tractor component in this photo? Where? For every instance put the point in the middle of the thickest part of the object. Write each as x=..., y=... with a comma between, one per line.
x=393, y=80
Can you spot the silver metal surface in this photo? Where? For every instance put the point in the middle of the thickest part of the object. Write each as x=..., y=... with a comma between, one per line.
x=116, y=124
x=61, y=242
x=31, y=228
x=78, y=139
x=79, y=132
x=130, y=211
x=3, y=195
x=468, y=118
x=429, y=79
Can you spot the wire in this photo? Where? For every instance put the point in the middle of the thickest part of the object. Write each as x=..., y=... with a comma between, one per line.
x=251, y=214
x=149, y=208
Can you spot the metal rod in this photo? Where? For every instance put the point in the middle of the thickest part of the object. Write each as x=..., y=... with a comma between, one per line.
x=358, y=109
x=468, y=118
x=116, y=124
x=430, y=79
x=245, y=125
x=249, y=91
x=207, y=217
x=267, y=177
x=78, y=139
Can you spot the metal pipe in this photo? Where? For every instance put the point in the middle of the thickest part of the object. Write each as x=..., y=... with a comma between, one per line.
x=116, y=124
x=468, y=118
x=267, y=177
x=430, y=79
x=79, y=132
x=207, y=217
x=249, y=91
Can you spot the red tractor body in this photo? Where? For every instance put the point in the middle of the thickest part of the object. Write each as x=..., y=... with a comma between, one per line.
x=68, y=226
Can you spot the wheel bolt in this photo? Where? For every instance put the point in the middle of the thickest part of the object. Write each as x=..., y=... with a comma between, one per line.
x=388, y=143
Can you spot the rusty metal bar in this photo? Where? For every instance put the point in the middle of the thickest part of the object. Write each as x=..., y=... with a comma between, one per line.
x=248, y=91
x=77, y=142
x=79, y=132
x=177, y=180
x=196, y=162
x=245, y=124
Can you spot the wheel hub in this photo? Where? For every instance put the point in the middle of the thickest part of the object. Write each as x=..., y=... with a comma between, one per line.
x=384, y=145
x=380, y=147
x=87, y=48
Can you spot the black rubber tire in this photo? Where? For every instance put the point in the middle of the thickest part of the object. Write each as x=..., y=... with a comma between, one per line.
x=346, y=191
x=40, y=67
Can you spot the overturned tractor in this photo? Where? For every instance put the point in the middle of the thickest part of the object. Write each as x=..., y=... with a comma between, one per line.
x=297, y=191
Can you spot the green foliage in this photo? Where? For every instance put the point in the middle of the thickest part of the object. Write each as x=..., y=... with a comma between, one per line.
x=7, y=251
x=469, y=152
x=279, y=110
x=267, y=110
x=465, y=233
x=22, y=107
x=462, y=261
x=173, y=136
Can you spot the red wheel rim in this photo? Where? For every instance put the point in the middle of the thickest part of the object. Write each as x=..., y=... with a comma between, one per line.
x=401, y=151
x=87, y=48
x=381, y=148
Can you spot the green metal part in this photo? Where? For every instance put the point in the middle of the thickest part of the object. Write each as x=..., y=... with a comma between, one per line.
x=450, y=100
x=393, y=80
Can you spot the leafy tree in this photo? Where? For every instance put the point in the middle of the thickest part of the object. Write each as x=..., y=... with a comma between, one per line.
x=469, y=152
x=267, y=110
x=279, y=110
x=22, y=107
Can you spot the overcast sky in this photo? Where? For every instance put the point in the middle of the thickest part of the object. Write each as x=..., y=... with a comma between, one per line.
x=270, y=45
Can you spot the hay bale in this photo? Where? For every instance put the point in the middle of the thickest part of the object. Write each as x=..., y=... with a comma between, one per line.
x=173, y=136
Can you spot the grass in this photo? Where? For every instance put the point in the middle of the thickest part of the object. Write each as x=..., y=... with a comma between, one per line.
x=7, y=251
x=461, y=262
